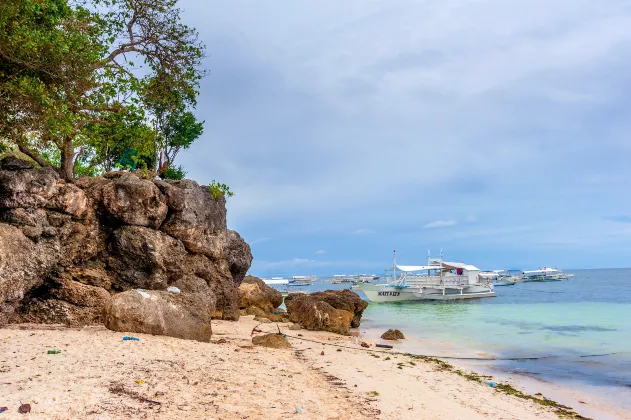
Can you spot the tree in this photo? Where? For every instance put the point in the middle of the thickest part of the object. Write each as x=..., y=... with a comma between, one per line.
x=73, y=78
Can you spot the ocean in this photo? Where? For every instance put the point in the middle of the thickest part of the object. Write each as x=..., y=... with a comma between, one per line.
x=581, y=329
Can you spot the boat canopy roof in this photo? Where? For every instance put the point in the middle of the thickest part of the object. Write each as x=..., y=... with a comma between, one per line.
x=409, y=268
x=453, y=265
x=542, y=270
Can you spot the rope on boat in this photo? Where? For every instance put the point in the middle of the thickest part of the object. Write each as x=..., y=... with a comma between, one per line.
x=433, y=357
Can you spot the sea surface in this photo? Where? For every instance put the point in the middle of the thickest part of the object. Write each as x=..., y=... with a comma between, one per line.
x=581, y=329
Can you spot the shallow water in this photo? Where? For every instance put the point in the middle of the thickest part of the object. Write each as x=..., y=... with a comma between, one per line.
x=571, y=323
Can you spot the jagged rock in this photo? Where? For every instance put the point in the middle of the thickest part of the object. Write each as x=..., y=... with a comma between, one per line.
x=254, y=292
x=135, y=201
x=70, y=199
x=197, y=219
x=27, y=188
x=145, y=258
x=220, y=282
x=238, y=255
x=110, y=233
x=13, y=163
x=66, y=302
x=392, y=335
x=181, y=315
x=346, y=300
x=274, y=341
x=91, y=276
x=316, y=315
x=31, y=221
x=23, y=266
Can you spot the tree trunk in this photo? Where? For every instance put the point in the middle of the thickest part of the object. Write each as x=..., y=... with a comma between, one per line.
x=67, y=161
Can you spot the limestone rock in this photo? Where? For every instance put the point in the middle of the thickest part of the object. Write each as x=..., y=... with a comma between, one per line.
x=197, y=219
x=13, y=163
x=69, y=199
x=27, y=188
x=254, y=292
x=392, y=335
x=346, y=300
x=275, y=341
x=316, y=315
x=238, y=255
x=135, y=201
x=181, y=315
x=145, y=258
x=23, y=266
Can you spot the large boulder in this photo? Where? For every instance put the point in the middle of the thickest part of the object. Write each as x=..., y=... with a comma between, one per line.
x=346, y=300
x=135, y=201
x=69, y=199
x=23, y=266
x=316, y=315
x=197, y=219
x=145, y=258
x=180, y=315
x=26, y=187
x=253, y=292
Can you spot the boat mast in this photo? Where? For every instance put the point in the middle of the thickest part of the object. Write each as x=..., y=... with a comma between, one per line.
x=441, y=267
x=394, y=266
x=428, y=269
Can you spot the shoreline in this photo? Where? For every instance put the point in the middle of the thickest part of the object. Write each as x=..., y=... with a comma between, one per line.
x=579, y=398
x=98, y=375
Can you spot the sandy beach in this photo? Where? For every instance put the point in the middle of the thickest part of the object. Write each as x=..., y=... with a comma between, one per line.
x=97, y=375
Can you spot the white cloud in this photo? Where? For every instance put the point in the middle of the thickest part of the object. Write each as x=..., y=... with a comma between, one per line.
x=258, y=241
x=440, y=223
x=320, y=252
x=363, y=231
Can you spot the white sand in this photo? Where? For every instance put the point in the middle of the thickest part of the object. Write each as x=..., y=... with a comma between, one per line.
x=231, y=380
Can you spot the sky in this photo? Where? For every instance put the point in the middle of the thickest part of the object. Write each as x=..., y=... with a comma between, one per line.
x=498, y=131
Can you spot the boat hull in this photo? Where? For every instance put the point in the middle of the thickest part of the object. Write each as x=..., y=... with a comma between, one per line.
x=388, y=293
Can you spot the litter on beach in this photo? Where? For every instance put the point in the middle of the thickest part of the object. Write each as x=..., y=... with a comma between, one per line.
x=143, y=294
x=173, y=289
x=130, y=338
x=54, y=351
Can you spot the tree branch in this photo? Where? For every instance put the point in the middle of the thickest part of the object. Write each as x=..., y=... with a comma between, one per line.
x=33, y=155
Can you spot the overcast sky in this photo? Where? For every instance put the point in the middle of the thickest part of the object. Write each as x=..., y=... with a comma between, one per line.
x=497, y=130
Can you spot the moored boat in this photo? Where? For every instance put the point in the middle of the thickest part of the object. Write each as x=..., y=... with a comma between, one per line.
x=438, y=280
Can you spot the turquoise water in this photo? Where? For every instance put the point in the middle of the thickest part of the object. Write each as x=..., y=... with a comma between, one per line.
x=571, y=320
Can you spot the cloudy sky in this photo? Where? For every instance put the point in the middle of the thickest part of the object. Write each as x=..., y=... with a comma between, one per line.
x=497, y=130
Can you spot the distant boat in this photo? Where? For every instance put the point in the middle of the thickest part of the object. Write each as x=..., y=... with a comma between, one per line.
x=302, y=280
x=354, y=278
x=275, y=280
x=545, y=274
x=439, y=282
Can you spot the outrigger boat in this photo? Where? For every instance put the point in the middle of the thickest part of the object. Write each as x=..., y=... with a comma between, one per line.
x=302, y=280
x=545, y=274
x=434, y=281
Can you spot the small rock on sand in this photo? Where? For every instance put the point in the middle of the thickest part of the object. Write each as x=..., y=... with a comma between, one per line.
x=275, y=341
x=393, y=335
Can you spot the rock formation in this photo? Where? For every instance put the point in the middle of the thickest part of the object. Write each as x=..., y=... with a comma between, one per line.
x=70, y=251
x=333, y=310
x=257, y=298
x=393, y=335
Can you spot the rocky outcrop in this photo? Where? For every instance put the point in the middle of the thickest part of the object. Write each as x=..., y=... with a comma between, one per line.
x=68, y=248
x=345, y=300
x=274, y=341
x=317, y=315
x=180, y=315
x=253, y=292
x=393, y=335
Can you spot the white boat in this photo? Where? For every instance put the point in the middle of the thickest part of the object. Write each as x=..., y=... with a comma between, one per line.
x=354, y=278
x=275, y=280
x=440, y=280
x=302, y=280
x=545, y=274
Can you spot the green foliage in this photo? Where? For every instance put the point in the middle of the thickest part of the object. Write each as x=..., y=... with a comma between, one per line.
x=217, y=190
x=174, y=173
x=76, y=76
